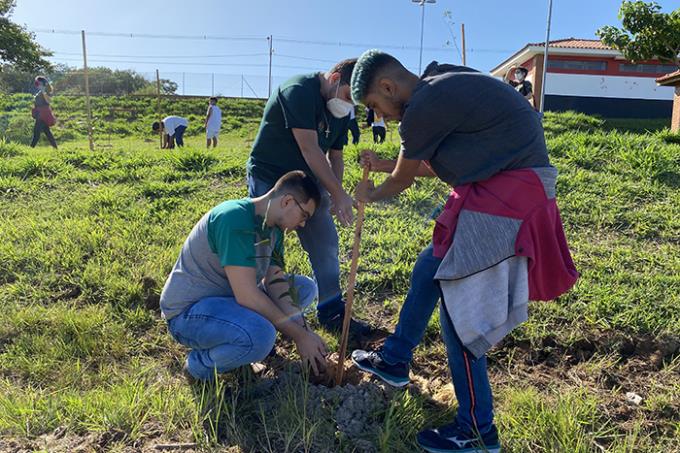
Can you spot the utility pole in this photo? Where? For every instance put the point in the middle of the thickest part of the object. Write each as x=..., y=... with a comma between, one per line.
x=158, y=104
x=241, y=85
x=271, y=51
x=87, y=94
x=545, y=56
x=462, y=34
x=422, y=30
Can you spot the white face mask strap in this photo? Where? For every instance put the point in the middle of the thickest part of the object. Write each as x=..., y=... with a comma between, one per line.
x=337, y=89
x=266, y=214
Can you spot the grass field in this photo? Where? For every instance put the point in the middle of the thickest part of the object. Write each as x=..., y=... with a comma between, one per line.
x=86, y=363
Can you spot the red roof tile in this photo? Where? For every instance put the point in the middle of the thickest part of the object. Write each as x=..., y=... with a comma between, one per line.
x=669, y=79
x=574, y=43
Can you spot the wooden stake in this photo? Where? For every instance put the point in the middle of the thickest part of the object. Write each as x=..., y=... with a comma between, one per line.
x=87, y=94
x=158, y=103
x=350, y=287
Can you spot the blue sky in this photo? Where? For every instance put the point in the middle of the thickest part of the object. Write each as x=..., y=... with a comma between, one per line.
x=307, y=35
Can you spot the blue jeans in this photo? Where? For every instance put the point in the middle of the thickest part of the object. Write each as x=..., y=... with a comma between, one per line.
x=179, y=135
x=470, y=378
x=224, y=335
x=319, y=238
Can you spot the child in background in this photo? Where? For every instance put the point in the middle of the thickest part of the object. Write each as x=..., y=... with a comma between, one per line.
x=213, y=122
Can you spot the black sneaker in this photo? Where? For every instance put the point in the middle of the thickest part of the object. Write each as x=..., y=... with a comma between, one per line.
x=373, y=362
x=358, y=329
x=453, y=439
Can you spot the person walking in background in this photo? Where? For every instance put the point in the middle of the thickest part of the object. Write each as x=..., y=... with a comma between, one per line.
x=42, y=112
x=520, y=83
x=378, y=128
x=213, y=122
x=354, y=126
x=172, y=128
x=369, y=117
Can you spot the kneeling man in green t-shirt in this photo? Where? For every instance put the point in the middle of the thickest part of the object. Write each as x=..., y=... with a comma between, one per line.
x=227, y=294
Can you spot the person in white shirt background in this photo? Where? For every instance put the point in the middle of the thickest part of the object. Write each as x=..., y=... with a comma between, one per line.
x=379, y=129
x=213, y=122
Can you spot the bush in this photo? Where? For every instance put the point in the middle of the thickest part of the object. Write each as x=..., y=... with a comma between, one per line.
x=19, y=129
x=8, y=149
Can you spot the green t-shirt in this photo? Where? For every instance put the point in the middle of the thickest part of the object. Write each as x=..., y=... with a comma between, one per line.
x=297, y=103
x=239, y=238
x=228, y=235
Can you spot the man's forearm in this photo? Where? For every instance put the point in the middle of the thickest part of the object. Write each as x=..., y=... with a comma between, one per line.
x=389, y=188
x=385, y=165
x=338, y=166
x=259, y=302
x=322, y=170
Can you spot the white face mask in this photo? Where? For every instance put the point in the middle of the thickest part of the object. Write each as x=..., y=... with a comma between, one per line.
x=339, y=108
x=519, y=76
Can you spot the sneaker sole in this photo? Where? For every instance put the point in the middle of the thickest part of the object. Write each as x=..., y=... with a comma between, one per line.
x=492, y=449
x=387, y=378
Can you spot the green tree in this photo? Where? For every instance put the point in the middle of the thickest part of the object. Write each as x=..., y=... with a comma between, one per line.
x=647, y=33
x=17, y=45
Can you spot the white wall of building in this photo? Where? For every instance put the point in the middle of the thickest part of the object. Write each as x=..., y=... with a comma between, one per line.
x=606, y=86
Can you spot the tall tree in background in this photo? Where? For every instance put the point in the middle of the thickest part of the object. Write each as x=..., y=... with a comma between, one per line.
x=647, y=33
x=17, y=45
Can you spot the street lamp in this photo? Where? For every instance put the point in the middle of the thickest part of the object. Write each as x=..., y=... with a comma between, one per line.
x=545, y=57
x=422, y=27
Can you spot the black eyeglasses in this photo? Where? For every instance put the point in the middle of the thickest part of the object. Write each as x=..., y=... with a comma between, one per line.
x=305, y=214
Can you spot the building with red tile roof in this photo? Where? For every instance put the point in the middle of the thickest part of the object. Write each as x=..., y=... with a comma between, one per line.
x=587, y=76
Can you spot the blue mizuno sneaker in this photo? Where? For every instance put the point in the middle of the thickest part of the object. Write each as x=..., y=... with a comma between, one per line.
x=452, y=439
x=373, y=362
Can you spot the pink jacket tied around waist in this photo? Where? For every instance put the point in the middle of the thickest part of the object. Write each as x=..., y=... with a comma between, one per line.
x=513, y=213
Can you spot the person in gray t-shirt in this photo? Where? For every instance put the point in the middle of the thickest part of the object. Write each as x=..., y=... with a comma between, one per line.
x=227, y=295
x=463, y=127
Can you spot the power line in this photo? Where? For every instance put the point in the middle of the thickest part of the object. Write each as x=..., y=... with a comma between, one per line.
x=151, y=36
x=241, y=38
x=175, y=63
x=165, y=56
x=305, y=58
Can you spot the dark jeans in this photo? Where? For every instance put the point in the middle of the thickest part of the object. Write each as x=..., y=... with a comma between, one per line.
x=39, y=127
x=470, y=378
x=378, y=134
x=179, y=136
x=354, y=129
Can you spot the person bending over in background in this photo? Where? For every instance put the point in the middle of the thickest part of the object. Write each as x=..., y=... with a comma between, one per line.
x=42, y=112
x=227, y=294
x=498, y=242
x=172, y=128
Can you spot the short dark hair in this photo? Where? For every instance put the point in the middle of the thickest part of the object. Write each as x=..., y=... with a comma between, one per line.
x=345, y=68
x=370, y=64
x=300, y=185
x=214, y=99
x=156, y=126
x=523, y=69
